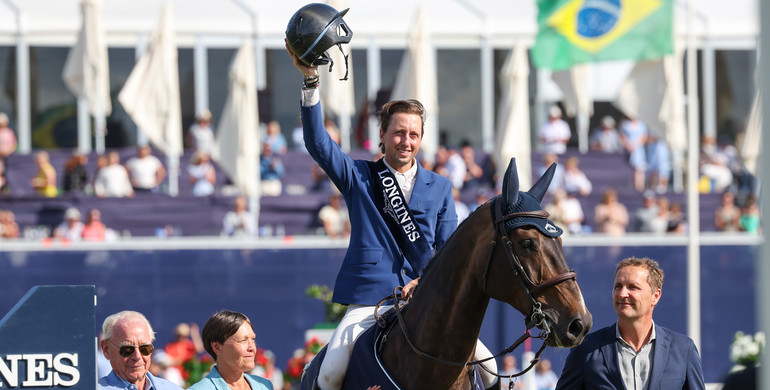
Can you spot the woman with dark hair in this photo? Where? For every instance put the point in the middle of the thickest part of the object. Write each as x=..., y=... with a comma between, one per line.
x=229, y=338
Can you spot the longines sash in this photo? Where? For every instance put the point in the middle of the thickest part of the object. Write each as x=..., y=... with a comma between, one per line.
x=391, y=203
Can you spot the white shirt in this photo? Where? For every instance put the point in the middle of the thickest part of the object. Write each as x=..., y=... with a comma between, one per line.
x=144, y=171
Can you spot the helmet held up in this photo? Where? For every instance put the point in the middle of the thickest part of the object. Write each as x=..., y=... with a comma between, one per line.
x=313, y=30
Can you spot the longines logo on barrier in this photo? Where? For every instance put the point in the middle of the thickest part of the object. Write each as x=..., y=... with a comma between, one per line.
x=41, y=370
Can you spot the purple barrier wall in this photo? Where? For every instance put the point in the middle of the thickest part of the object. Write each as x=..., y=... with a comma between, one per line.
x=172, y=286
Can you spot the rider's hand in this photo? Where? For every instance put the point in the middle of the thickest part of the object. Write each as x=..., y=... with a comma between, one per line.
x=408, y=290
x=308, y=71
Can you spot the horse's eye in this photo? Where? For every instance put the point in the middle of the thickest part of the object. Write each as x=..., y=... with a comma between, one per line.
x=529, y=244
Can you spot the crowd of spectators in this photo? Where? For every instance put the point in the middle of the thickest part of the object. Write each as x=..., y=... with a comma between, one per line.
x=472, y=174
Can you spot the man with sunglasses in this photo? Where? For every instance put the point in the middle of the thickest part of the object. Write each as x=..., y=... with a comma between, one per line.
x=127, y=344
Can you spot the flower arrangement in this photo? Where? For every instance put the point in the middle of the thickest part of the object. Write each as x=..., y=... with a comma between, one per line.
x=746, y=349
x=194, y=369
x=334, y=311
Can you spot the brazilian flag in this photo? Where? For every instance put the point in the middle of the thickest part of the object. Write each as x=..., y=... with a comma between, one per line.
x=577, y=31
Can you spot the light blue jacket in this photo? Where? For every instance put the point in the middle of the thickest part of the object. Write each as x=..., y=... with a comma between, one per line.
x=373, y=264
x=113, y=382
x=214, y=381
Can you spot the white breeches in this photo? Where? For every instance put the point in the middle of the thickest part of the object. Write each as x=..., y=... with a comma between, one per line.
x=357, y=319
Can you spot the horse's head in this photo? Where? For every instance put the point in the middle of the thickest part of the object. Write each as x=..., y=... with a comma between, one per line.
x=527, y=268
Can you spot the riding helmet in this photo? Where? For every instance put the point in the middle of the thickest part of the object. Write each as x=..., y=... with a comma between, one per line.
x=314, y=29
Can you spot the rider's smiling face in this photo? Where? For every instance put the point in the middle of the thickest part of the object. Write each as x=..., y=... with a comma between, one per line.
x=402, y=140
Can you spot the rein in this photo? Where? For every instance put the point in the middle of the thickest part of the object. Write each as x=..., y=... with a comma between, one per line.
x=536, y=319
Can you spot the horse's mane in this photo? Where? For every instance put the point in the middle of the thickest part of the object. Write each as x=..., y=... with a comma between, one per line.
x=438, y=254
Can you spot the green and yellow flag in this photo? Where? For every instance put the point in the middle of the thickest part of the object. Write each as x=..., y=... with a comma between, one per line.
x=578, y=31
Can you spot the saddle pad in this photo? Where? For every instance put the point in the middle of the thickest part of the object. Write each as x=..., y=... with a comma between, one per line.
x=366, y=369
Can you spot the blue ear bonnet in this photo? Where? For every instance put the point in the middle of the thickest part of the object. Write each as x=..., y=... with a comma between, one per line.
x=527, y=202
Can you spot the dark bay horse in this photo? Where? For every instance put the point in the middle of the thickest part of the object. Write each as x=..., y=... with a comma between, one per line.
x=506, y=250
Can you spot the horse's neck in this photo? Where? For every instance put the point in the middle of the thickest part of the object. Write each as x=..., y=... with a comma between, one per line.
x=449, y=303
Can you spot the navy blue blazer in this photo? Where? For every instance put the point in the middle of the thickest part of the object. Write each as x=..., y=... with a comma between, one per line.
x=373, y=263
x=594, y=363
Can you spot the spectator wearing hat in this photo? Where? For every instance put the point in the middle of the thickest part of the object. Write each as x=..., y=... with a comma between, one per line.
x=606, y=138
x=71, y=229
x=554, y=134
x=201, y=137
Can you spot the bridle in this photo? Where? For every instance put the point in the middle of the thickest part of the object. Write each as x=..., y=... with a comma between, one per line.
x=536, y=319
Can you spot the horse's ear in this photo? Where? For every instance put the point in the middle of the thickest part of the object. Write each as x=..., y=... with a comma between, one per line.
x=511, y=183
x=539, y=189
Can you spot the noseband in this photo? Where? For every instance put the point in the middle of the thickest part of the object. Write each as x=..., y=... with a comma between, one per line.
x=537, y=318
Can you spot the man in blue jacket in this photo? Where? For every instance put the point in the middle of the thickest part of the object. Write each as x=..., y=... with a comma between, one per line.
x=400, y=214
x=634, y=353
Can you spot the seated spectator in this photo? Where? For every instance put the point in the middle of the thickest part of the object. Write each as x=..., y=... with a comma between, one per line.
x=8, y=226
x=557, y=182
x=658, y=164
x=660, y=222
x=606, y=138
x=718, y=173
x=633, y=135
x=676, y=220
x=575, y=180
x=610, y=216
x=461, y=208
x=112, y=179
x=474, y=173
x=8, y=142
x=749, y=221
x=5, y=189
x=203, y=176
x=71, y=229
x=321, y=181
x=451, y=165
x=201, y=137
x=239, y=222
x=727, y=216
x=44, y=181
x=334, y=218
x=94, y=229
x=573, y=213
x=75, y=177
x=643, y=216
x=554, y=134
x=145, y=171
x=275, y=138
x=556, y=210
x=272, y=171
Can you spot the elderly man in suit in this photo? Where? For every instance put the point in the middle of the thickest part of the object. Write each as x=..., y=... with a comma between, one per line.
x=634, y=353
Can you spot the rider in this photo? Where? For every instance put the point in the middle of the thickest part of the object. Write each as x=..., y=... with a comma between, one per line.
x=389, y=246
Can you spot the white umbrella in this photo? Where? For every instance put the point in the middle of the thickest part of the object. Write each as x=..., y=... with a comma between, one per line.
x=337, y=95
x=237, y=145
x=578, y=100
x=513, y=138
x=752, y=138
x=151, y=95
x=654, y=94
x=416, y=79
x=87, y=72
